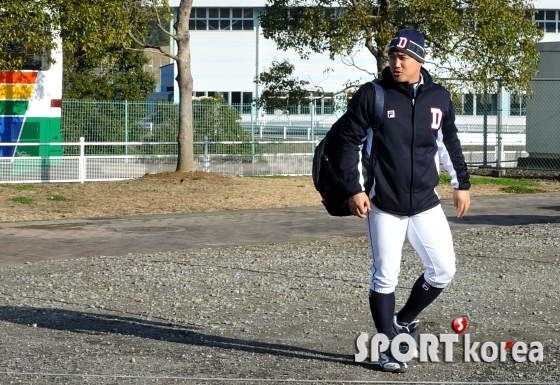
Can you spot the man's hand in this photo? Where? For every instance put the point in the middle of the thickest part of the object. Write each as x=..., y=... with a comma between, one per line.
x=359, y=204
x=461, y=201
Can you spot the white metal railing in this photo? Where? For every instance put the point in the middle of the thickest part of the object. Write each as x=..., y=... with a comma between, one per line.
x=84, y=167
x=477, y=139
x=499, y=156
x=293, y=157
x=70, y=168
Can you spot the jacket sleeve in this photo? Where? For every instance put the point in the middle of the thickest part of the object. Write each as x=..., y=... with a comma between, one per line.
x=351, y=138
x=451, y=153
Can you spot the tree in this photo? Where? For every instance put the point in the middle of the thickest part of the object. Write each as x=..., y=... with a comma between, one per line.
x=215, y=120
x=282, y=89
x=484, y=41
x=155, y=35
x=26, y=31
x=96, y=64
x=92, y=31
x=118, y=75
x=159, y=10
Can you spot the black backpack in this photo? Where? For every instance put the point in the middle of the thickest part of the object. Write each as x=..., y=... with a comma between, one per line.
x=326, y=173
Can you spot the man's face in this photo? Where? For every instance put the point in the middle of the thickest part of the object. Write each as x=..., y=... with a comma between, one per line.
x=405, y=68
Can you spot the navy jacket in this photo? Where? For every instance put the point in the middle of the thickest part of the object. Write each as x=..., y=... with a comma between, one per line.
x=402, y=177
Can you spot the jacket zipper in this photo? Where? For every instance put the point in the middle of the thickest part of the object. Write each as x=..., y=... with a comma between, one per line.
x=410, y=210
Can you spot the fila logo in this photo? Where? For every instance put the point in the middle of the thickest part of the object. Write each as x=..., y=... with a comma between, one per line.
x=436, y=118
x=403, y=41
x=426, y=286
x=391, y=114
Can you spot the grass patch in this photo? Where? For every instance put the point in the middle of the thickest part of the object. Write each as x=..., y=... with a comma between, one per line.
x=61, y=211
x=19, y=187
x=58, y=198
x=518, y=186
x=22, y=200
x=444, y=179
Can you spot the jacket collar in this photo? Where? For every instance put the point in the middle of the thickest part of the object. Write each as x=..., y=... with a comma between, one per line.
x=389, y=82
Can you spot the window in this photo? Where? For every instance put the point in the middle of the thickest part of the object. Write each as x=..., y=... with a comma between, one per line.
x=548, y=21
x=333, y=12
x=517, y=105
x=486, y=104
x=225, y=96
x=323, y=106
x=247, y=102
x=236, y=98
x=241, y=101
x=199, y=19
x=464, y=105
x=221, y=19
x=328, y=107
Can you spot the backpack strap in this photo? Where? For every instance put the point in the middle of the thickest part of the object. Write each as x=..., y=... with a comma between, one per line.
x=378, y=105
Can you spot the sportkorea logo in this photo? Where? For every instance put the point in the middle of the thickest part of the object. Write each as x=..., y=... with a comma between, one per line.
x=428, y=345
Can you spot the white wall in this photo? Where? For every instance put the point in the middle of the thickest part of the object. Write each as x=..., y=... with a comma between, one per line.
x=230, y=60
x=230, y=57
x=546, y=4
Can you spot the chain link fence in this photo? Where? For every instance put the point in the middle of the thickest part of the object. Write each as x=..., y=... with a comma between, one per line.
x=543, y=126
x=129, y=139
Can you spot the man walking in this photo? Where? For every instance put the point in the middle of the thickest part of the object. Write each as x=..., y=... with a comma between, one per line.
x=395, y=189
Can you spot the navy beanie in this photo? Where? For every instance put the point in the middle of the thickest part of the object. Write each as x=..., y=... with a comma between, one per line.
x=409, y=41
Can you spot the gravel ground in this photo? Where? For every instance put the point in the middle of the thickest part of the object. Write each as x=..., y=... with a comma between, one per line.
x=270, y=314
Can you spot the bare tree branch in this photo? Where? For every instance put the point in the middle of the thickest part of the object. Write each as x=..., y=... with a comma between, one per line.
x=150, y=48
x=160, y=27
x=349, y=61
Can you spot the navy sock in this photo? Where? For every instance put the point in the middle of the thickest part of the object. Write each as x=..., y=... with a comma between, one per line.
x=421, y=295
x=382, y=308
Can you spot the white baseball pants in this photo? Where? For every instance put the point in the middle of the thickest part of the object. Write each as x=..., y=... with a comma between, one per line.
x=429, y=234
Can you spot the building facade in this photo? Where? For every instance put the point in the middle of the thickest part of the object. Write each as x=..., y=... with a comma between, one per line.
x=228, y=51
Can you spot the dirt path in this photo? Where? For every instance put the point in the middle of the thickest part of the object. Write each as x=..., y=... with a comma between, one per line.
x=173, y=193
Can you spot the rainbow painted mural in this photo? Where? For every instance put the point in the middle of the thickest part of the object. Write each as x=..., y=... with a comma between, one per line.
x=15, y=92
x=27, y=115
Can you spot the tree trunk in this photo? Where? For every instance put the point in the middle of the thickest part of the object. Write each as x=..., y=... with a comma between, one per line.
x=185, y=154
x=382, y=60
x=384, y=35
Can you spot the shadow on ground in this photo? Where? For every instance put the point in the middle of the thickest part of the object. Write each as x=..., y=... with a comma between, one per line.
x=97, y=323
x=505, y=220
